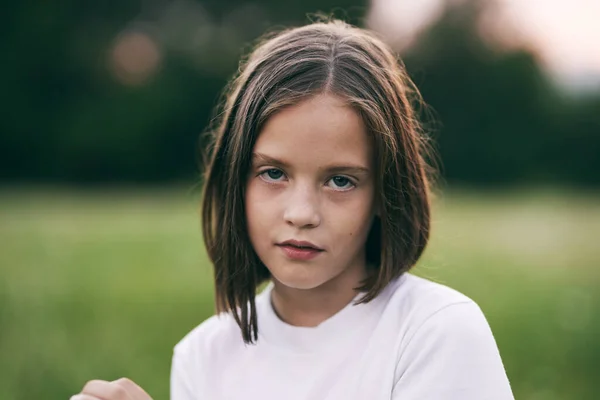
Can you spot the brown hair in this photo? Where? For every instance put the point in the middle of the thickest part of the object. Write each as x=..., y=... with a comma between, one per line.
x=323, y=57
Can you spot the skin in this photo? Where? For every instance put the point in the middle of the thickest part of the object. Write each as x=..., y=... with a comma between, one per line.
x=121, y=389
x=312, y=180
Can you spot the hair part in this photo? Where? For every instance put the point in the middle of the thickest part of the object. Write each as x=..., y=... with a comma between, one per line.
x=285, y=69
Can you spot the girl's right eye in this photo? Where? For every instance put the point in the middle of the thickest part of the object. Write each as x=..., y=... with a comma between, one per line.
x=272, y=175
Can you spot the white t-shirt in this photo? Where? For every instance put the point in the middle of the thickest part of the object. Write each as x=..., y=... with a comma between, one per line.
x=417, y=340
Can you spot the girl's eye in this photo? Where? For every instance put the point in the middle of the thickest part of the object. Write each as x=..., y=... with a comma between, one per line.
x=271, y=174
x=341, y=183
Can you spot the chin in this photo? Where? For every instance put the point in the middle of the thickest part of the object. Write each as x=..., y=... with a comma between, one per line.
x=300, y=281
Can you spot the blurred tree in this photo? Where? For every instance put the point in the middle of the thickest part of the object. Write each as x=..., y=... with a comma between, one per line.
x=118, y=91
x=70, y=117
x=502, y=121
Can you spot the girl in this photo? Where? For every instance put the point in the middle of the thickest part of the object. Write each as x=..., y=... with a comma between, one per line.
x=317, y=184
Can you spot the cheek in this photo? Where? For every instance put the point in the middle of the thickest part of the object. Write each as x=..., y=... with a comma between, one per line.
x=259, y=205
x=354, y=220
x=250, y=201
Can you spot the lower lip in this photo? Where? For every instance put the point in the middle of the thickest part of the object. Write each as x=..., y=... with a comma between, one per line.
x=296, y=253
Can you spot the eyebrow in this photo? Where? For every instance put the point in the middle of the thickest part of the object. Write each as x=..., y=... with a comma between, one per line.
x=336, y=168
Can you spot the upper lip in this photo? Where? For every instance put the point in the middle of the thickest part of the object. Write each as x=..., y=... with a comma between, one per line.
x=299, y=243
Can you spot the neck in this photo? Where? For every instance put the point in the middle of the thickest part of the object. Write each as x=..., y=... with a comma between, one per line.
x=310, y=307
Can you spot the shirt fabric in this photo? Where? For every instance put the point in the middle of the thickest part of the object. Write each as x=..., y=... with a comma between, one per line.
x=417, y=340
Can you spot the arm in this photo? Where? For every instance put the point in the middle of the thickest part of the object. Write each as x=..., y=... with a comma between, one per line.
x=452, y=356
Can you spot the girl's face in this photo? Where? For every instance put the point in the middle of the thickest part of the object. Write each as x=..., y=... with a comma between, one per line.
x=310, y=195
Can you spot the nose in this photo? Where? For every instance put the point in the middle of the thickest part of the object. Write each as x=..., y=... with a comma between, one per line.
x=302, y=209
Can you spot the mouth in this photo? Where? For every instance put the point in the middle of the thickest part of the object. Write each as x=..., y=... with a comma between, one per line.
x=298, y=244
x=300, y=250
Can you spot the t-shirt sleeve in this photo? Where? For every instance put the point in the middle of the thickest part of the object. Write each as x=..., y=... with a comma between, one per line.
x=181, y=382
x=452, y=355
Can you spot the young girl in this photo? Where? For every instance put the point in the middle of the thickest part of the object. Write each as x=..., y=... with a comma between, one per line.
x=317, y=184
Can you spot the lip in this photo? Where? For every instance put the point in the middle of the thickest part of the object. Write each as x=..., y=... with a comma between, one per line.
x=299, y=250
x=300, y=243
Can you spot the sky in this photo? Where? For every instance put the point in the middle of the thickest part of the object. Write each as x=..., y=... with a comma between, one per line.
x=565, y=34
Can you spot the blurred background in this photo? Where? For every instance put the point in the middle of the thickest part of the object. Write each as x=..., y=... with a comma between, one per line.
x=102, y=267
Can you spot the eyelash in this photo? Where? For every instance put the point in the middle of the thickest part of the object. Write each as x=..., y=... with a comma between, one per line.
x=264, y=176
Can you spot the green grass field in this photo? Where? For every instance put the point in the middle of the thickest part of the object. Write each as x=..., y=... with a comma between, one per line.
x=102, y=284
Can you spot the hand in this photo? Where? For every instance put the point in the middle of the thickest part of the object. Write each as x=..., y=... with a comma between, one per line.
x=121, y=389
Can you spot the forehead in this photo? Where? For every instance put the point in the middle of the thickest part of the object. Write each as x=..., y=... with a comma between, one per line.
x=319, y=130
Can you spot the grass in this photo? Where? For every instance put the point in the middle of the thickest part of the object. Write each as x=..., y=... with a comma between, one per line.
x=102, y=284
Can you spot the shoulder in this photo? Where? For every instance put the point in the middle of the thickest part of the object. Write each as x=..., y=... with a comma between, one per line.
x=448, y=341
x=208, y=338
x=198, y=351
x=420, y=298
x=427, y=309
x=416, y=289
x=216, y=338
x=194, y=352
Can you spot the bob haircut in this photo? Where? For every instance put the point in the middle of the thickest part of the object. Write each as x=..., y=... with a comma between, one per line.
x=289, y=67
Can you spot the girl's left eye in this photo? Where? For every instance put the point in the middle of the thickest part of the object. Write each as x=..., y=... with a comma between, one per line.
x=341, y=183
